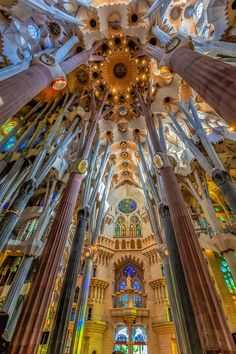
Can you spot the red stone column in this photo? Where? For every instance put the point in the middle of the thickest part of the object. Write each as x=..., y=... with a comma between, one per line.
x=213, y=80
x=29, y=327
x=213, y=329
x=18, y=90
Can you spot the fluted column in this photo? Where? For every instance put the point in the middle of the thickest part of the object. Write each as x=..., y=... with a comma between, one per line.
x=29, y=327
x=76, y=347
x=62, y=318
x=213, y=80
x=17, y=91
x=185, y=309
x=16, y=286
x=212, y=326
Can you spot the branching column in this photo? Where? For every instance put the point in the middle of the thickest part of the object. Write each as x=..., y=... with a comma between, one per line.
x=29, y=327
x=61, y=321
x=212, y=326
x=213, y=329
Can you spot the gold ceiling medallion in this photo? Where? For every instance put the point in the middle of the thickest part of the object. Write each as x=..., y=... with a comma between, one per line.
x=120, y=71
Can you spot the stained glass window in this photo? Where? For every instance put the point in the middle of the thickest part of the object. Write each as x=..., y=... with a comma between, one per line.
x=120, y=220
x=123, y=284
x=127, y=205
x=33, y=32
x=122, y=334
x=7, y=128
x=139, y=335
x=117, y=230
x=129, y=270
x=228, y=276
x=123, y=230
x=131, y=229
x=138, y=230
x=9, y=144
x=136, y=285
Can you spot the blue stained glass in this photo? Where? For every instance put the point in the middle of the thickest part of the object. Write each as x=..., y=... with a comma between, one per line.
x=139, y=335
x=127, y=205
x=136, y=285
x=9, y=144
x=122, y=334
x=117, y=230
x=122, y=285
x=129, y=270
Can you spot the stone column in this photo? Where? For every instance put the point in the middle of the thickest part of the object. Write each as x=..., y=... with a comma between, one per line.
x=224, y=182
x=17, y=91
x=13, y=214
x=185, y=309
x=76, y=347
x=213, y=80
x=29, y=327
x=16, y=286
x=44, y=71
x=213, y=329
x=62, y=318
x=30, y=324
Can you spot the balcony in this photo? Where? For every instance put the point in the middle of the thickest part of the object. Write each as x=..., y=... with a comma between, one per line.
x=129, y=303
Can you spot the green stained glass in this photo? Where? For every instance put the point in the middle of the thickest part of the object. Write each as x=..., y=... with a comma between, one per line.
x=127, y=205
x=120, y=220
x=231, y=284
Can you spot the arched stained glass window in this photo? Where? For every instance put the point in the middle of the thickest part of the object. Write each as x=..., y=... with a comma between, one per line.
x=136, y=285
x=228, y=276
x=139, y=335
x=121, y=334
x=123, y=284
x=127, y=205
x=117, y=230
x=123, y=230
x=137, y=230
x=129, y=270
x=131, y=229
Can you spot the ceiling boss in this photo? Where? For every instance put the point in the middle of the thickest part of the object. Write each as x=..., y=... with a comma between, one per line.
x=120, y=71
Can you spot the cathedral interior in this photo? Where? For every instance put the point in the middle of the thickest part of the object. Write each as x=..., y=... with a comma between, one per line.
x=117, y=176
